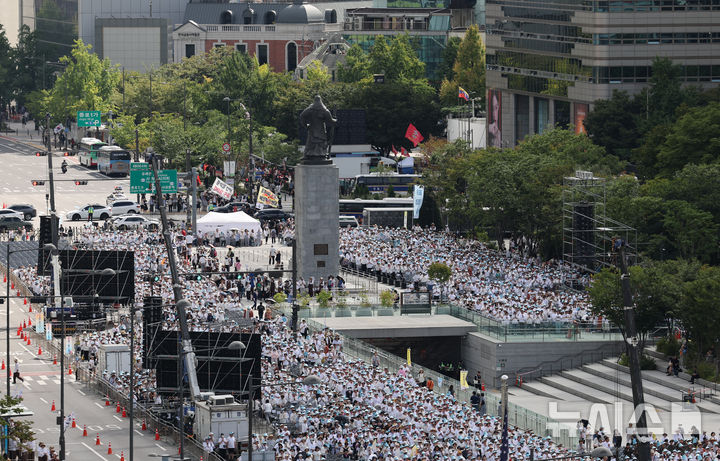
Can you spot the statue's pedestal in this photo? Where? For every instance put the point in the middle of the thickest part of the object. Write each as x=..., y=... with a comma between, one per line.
x=317, y=199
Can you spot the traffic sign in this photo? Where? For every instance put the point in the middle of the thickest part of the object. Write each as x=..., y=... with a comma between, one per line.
x=226, y=147
x=88, y=118
x=142, y=181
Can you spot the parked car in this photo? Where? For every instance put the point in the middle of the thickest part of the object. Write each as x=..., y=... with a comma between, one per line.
x=99, y=212
x=232, y=207
x=28, y=211
x=13, y=223
x=120, y=207
x=8, y=212
x=133, y=221
x=269, y=214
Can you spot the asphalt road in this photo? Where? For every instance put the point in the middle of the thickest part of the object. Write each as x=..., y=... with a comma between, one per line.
x=42, y=379
x=20, y=167
x=42, y=386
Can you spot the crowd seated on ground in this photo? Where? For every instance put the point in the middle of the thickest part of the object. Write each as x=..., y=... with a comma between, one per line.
x=506, y=286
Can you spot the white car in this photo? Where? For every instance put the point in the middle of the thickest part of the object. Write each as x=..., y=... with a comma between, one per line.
x=133, y=221
x=120, y=207
x=8, y=212
x=100, y=212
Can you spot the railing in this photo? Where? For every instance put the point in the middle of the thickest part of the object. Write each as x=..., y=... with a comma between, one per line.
x=551, y=367
x=517, y=415
x=384, y=25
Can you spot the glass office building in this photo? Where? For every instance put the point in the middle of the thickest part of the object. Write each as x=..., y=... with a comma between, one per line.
x=549, y=60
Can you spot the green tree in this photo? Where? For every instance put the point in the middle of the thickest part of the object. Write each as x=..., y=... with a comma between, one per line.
x=6, y=70
x=666, y=92
x=700, y=312
x=439, y=272
x=691, y=232
x=396, y=58
x=449, y=55
x=612, y=124
x=356, y=66
x=27, y=65
x=469, y=67
x=18, y=429
x=694, y=138
x=86, y=84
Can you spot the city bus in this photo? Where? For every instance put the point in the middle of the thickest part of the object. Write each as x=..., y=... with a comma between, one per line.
x=379, y=182
x=87, y=151
x=113, y=160
x=355, y=207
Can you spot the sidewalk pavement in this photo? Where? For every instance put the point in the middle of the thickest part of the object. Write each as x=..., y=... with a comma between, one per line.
x=25, y=134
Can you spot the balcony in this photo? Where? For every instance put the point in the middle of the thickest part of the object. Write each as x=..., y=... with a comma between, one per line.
x=385, y=26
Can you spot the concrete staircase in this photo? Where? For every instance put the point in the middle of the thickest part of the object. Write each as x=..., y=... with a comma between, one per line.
x=609, y=382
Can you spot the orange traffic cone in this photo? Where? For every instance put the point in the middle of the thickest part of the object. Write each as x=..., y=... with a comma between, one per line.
x=122, y=456
x=30, y=321
x=144, y=426
x=30, y=308
x=157, y=435
x=53, y=406
x=109, y=448
x=24, y=324
x=97, y=440
x=12, y=286
x=25, y=301
x=54, y=360
x=29, y=343
x=84, y=430
x=124, y=413
x=3, y=365
x=39, y=350
x=69, y=370
x=117, y=408
x=107, y=401
x=74, y=425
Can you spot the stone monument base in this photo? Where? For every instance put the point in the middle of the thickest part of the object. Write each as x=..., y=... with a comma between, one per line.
x=317, y=200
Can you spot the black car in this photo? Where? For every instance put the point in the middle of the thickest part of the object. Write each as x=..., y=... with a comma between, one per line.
x=13, y=223
x=28, y=211
x=270, y=214
x=232, y=207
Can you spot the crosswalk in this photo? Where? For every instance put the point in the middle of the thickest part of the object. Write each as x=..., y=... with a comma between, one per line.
x=41, y=380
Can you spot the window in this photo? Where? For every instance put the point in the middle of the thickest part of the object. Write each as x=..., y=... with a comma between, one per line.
x=218, y=45
x=189, y=50
x=241, y=47
x=291, y=53
x=262, y=54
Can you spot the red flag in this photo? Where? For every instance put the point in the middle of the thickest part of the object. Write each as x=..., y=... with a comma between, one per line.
x=403, y=152
x=394, y=150
x=413, y=135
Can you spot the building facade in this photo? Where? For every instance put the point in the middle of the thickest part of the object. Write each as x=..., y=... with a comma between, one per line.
x=547, y=62
x=278, y=34
x=429, y=23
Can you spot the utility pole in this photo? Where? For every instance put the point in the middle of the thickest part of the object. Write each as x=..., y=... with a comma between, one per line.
x=189, y=180
x=633, y=353
x=132, y=377
x=294, y=287
x=194, y=201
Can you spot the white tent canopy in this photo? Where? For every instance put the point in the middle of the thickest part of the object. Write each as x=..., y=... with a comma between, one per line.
x=227, y=222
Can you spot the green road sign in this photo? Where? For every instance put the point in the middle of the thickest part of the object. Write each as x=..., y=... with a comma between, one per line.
x=88, y=118
x=142, y=180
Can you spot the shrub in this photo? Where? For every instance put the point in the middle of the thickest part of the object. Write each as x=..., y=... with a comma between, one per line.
x=323, y=298
x=387, y=298
x=646, y=362
x=304, y=300
x=706, y=370
x=364, y=300
x=668, y=346
x=280, y=298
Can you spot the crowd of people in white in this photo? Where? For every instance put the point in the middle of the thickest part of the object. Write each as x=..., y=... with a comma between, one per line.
x=360, y=411
x=506, y=286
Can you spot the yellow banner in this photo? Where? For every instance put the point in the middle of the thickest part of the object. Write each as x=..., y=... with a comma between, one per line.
x=463, y=379
x=408, y=357
x=267, y=198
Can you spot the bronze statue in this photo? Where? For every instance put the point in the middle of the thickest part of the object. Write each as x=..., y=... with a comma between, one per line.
x=319, y=122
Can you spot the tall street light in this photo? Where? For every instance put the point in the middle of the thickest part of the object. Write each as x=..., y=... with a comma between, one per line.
x=248, y=115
